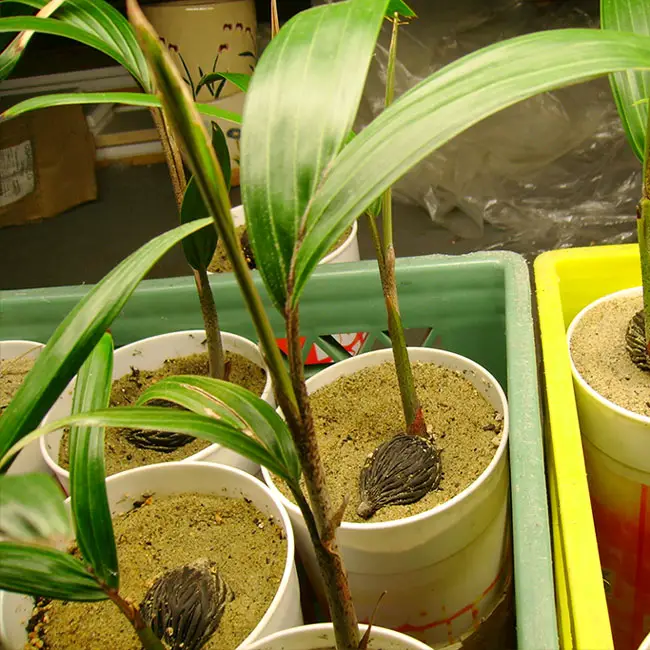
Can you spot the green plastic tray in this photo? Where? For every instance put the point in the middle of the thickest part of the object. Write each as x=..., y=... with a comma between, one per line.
x=478, y=305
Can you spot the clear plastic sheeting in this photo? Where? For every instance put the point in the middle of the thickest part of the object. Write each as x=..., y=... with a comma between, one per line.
x=550, y=172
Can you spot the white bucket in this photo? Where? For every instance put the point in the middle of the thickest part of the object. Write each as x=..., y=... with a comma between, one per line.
x=172, y=478
x=29, y=459
x=445, y=569
x=348, y=251
x=314, y=637
x=149, y=354
x=616, y=444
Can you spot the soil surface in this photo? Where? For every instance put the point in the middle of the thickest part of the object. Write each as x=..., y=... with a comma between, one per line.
x=248, y=546
x=120, y=453
x=221, y=264
x=12, y=373
x=599, y=354
x=357, y=413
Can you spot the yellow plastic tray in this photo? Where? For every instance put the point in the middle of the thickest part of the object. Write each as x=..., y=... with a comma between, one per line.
x=568, y=280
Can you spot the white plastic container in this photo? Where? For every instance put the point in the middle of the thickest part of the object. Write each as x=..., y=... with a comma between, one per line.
x=443, y=569
x=348, y=251
x=646, y=643
x=173, y=478
x=313, y=637
x=149, y=354
x=616, y=445
x=29, y=459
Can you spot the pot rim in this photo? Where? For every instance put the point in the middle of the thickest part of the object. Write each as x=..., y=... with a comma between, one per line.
x=320, y=628
x=238, y=212
x=199, y=455
x=35, y=345
x=339, y=250
x=620, y=410
x=442, y=507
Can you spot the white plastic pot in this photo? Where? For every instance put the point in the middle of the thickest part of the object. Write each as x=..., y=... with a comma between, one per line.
x=149, y=354
x=29, y=459
x=443, y=569
x=314, y=637
x=348, y=251
x=616, y=445
x=172, y=478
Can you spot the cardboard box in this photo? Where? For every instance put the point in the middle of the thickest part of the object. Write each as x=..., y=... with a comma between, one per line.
x=47, y=164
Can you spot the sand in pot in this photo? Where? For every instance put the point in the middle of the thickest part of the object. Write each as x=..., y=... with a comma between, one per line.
x=12, y=373
x=600, y=356
x=248, y=547
x=220, y=262
x=122, y=454
x=357, y=413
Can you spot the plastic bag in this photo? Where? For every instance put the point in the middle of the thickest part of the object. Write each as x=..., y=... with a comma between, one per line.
x=549, y=172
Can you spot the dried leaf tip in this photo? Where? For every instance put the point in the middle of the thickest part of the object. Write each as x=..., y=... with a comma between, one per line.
x=400, y=471
x=184, y=606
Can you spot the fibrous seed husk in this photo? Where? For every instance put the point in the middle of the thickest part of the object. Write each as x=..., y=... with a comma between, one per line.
x=184, y=606
x=162, y=441
x=635, y=341
x=400, y=471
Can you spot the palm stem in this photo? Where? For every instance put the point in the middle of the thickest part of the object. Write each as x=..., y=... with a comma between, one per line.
x=376, y=240
x=209, y=314
x=147, y=638
x=216, y=356
x=410, y=404
x=643, y=230
x=275, y=21
x=176, y=173
x=322, y=520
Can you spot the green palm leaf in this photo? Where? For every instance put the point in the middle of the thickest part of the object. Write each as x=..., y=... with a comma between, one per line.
x=237, y=407
x=630, y=87
x=58, y=28
x=399, y=7
x=300, y=107
x=40, y=571
x=10, y=56
x=125, y=98
x=199, y=248
x=89, y=501
x=238, y=79
x=78, y=334
x=151, y=418
x=441, y=107
x=98, y=18
x=32, y=509
x=200, y=157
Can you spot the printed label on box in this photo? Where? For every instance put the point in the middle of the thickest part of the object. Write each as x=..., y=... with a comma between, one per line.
x=16, y=172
